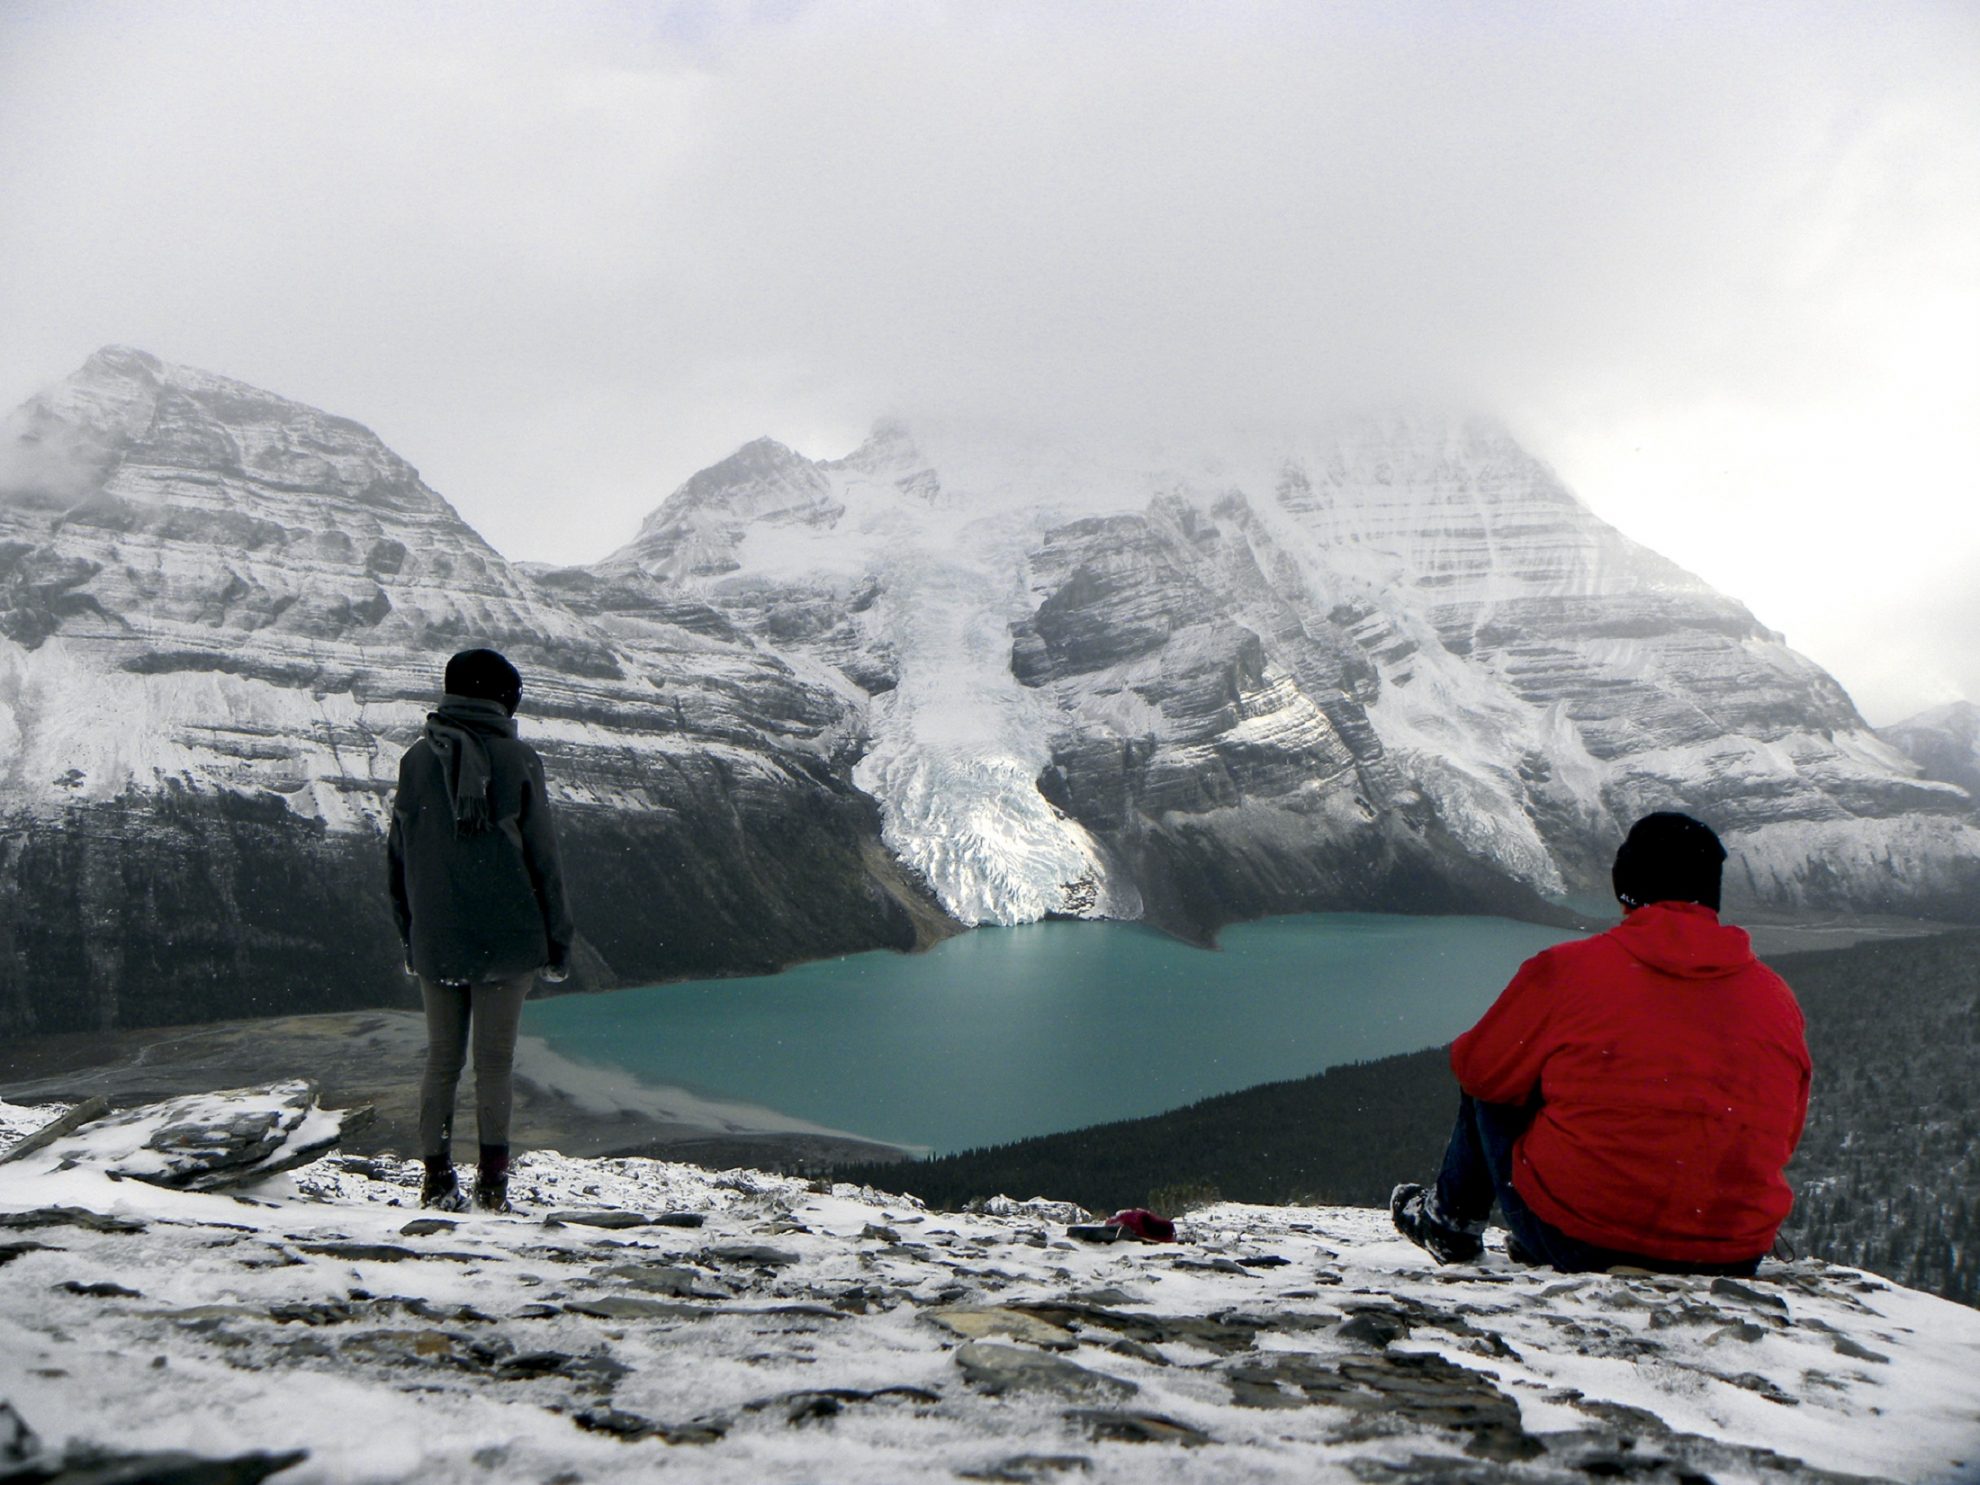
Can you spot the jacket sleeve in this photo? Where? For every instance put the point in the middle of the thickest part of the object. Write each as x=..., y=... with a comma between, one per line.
x=395, y=866
x=546, y=868
x=1499, y=1059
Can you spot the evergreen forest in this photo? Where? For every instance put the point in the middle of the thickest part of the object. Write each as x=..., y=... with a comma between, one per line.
x=1887, y=1176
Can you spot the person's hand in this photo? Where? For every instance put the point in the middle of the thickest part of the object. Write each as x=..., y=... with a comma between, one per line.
x=556, y=974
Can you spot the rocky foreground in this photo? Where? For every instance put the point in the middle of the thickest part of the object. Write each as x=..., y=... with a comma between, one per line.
x=206, y=1280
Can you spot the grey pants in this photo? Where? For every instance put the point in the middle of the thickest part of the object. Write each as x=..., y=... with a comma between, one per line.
x=493, y=1010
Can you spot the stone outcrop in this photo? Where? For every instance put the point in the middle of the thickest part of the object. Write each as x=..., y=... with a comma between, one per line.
x=209, y=1141
x=802, y=1331
x=28, y=1462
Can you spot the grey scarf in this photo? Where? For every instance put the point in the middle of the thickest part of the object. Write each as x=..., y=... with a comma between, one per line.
x=458, y=734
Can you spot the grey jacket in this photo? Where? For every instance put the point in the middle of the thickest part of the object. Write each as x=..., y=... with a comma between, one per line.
x=477, y=887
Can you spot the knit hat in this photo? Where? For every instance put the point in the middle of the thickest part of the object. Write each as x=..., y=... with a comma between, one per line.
x=1668, y=857
x=486, y=676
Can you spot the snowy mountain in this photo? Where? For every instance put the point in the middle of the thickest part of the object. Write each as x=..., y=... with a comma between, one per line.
x=636, y=1317
x=1389, y=663
x=223, y=616
x=821, y=706
x=1945, y=742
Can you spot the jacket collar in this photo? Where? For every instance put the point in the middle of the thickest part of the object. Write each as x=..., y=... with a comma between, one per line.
x=1684, y=939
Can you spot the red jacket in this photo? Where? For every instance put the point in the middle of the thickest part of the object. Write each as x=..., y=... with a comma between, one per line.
x=1672, y=1078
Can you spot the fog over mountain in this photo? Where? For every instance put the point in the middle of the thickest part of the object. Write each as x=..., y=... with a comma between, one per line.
x=1114, y=677
x=1713, y=263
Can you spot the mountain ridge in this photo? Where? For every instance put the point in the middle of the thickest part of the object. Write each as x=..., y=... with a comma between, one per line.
x=817, y=706
x=223, y=615
x=1944, y=741
x=1411, y=620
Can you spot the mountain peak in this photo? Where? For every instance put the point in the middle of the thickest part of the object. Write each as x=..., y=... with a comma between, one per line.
x=1944, y=741
x=128, y=408
x=234, y=529
x=1952, y=714
x=121, y=360
x=1394, y=614
x=695, y=529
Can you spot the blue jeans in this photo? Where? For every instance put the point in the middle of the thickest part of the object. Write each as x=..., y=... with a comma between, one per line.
x=1477, y=1171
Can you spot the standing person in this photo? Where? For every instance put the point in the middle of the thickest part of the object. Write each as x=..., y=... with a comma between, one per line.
x=479, y=898
x=1632, y=1098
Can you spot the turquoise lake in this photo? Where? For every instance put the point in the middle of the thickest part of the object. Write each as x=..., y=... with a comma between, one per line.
x=1006, y=1032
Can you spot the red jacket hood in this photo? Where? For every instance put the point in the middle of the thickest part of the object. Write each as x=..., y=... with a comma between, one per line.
x=1684, y=939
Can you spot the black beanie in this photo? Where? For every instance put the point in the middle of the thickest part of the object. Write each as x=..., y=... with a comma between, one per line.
x=1668, y=857
x=486, y=676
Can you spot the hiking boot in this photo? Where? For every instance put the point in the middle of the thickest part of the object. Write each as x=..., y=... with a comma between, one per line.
x=1518, y=1252
x=491, y=1182
x=1411, y=1208
x=440, y=1189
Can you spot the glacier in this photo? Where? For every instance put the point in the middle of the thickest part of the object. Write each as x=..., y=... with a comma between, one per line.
x=1381, y=641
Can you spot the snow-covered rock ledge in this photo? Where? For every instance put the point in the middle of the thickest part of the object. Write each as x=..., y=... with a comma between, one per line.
x=640, y=1317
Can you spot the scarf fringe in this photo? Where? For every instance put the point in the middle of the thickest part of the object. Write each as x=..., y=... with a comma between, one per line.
x=472, y=817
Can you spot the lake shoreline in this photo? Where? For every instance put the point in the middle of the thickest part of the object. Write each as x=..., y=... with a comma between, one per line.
x=582, y=1104
x=1771, y=933
x=996, y=1034
x=1002, y=1034
x=376, y=1058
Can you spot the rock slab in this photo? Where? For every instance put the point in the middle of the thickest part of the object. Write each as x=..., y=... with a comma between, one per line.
x=207, y=1141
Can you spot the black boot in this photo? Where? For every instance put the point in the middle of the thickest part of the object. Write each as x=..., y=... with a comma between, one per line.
x=1518, y=1252
x=491, y=1182
x=439, y=1188
x=1414, y=1212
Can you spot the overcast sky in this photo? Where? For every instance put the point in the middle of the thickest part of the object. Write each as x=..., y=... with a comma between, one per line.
x=1718, y=262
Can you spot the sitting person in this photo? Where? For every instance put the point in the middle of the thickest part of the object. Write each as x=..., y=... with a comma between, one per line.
x=1631, y=1098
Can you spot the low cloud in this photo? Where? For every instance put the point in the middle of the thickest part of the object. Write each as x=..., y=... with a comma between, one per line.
x=561, y=260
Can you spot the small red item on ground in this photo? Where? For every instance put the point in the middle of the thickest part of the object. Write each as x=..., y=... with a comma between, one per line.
x=1145, y=1225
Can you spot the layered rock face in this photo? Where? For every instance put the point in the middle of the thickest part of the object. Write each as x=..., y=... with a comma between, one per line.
x=223, y=616
x=1387, y=664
